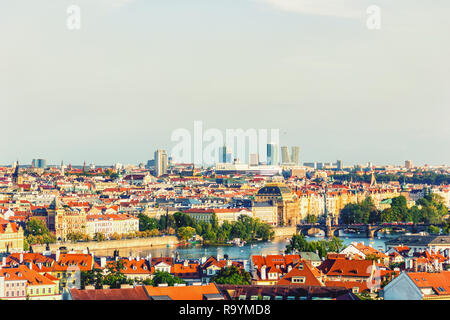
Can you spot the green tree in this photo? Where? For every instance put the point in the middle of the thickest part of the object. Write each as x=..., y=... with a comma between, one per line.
x=147, y=223
x=310, y=218
x=114, y=274
x=232, y=275
x=98, y=236
x=298, y=243
x=161, y=277
x=37, y=232
x=433, y=230
x=36, y=227
x=186, y=233
x=93, y=277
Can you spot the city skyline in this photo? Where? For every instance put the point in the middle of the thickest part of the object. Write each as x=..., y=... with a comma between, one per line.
x=114, y=92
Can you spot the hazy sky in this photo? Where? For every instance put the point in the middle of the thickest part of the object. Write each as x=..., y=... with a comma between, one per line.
x=114, y=90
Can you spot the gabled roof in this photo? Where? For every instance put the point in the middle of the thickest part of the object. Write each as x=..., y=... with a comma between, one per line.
x=303, y=269
x=346, y=267
x=84, y=262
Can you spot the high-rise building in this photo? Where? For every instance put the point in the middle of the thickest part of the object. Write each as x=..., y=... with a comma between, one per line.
x=408, y=164
x=225, y=155
x=285, y=159
x=161, y=162
x=39, y=163
x=254, y=159
x=272, y=154
x=339, y=165
x=295, y=156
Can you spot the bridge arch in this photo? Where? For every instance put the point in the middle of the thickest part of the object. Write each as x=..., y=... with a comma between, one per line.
x=304, y=230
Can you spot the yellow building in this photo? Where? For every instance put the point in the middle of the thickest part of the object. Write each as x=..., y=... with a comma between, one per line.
x=63, y=220
x=286, y=201
x=11, y=236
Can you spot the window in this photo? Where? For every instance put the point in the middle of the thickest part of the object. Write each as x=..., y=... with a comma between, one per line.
x=298, y=279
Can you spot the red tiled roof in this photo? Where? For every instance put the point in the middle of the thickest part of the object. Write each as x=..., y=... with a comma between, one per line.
x=137, y=293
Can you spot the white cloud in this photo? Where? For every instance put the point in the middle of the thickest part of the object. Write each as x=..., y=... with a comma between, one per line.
x=337, y=8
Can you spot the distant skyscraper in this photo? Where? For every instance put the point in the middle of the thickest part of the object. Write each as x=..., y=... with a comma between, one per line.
x=225, y=155
x=408, y=164
x=339, y=165
x=161, y=162
x=39, y=163
x=254, y=159
x=272, y=154
x=295, y=156
x=285, y=159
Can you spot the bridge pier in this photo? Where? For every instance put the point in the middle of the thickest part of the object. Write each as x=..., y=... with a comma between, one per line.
x=329, y=232
x=370, y=232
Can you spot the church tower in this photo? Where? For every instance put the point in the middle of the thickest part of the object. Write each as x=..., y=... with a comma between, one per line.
x=15, y=175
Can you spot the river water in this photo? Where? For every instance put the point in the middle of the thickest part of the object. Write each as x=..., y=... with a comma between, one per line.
x=244, y=252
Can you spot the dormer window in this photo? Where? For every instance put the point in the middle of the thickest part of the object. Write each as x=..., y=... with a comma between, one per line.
x=298, y=280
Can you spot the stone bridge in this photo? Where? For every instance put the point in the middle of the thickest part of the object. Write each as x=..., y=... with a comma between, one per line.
x=370, y=230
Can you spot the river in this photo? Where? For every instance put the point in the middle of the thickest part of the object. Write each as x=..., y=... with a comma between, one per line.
x=244, y=252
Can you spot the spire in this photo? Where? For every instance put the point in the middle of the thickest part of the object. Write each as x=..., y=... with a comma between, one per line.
x=15, y=175
x=56, y=204
x=373, y=181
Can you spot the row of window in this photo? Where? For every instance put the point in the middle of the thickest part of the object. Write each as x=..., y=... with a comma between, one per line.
x=49, y=290
x=15, y=295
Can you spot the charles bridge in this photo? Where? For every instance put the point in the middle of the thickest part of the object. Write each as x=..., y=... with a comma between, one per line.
x=370, y=230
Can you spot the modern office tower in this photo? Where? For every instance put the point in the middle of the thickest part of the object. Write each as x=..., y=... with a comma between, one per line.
x=150, y=164
x=285, y=159
x=254, y=159
x=39, y=163
x=225, y=155
x=295, y=156
x=272, y=154
x=408, y=164
x=339, y=165
x=161, y=162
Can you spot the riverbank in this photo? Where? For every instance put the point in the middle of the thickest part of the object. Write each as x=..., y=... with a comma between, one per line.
x=98, y=247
